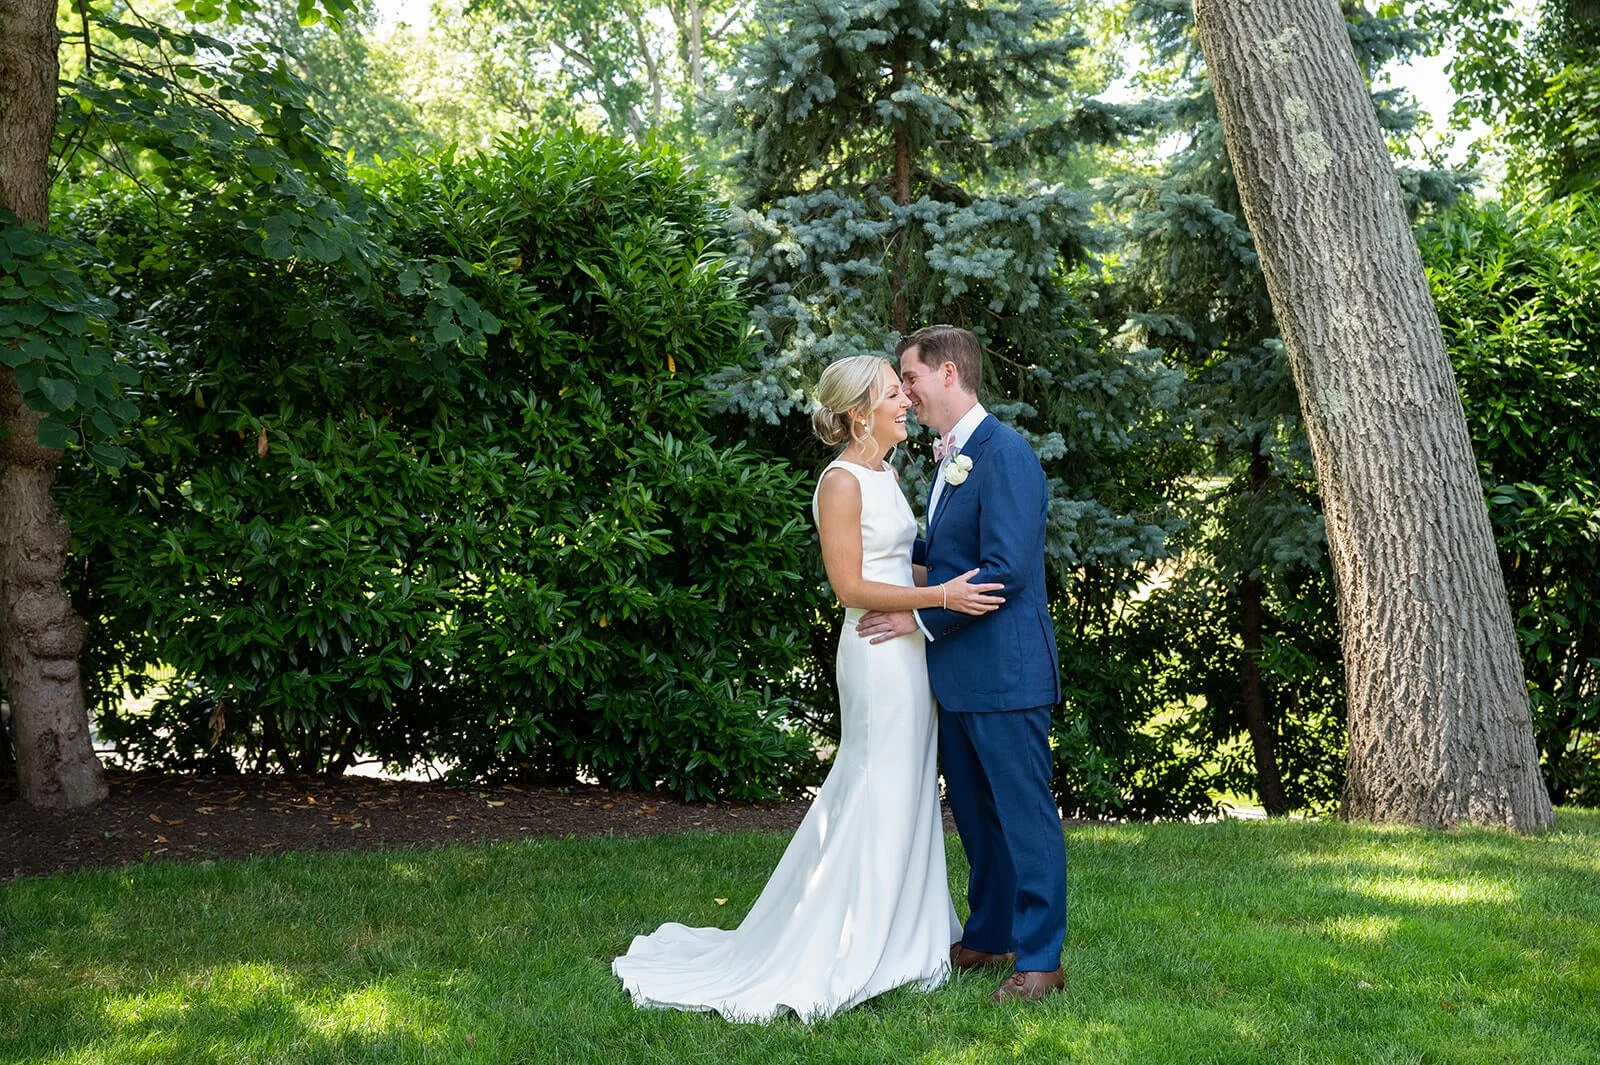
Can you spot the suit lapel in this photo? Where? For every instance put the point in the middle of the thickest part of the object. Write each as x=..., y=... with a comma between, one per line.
x=972, y=449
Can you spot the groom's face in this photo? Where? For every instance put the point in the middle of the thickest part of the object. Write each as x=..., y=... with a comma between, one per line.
x=925, y=387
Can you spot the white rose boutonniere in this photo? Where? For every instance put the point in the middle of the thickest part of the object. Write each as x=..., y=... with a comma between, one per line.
x=956, y=470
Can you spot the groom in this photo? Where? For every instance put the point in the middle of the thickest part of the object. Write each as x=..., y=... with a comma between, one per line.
x=995, y=676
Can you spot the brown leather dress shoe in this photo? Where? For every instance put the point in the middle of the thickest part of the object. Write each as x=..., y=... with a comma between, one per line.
x=1029, y=986
x=970, y=960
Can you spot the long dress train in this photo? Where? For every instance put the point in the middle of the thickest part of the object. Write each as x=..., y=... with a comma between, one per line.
x=860, y=902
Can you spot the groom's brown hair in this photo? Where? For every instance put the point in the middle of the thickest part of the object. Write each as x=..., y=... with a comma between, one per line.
x=939, y=344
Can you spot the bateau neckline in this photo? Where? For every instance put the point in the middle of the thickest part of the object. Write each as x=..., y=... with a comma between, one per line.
x=885, y=468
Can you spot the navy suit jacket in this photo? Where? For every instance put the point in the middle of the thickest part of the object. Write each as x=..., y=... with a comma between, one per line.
x=993, y=521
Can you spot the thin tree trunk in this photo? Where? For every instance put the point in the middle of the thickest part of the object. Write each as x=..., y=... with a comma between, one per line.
x=697, y=48
x=1440, y=728
x=274, y=740
x=652, y=68
x=8, y=765
x=40, y=636
x=1253, y=694
x=1252, y=690
x=899, y=319
x=694, y=40
x=689, y=19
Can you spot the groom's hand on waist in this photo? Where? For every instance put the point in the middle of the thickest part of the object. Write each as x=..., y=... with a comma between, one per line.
x=878, y=626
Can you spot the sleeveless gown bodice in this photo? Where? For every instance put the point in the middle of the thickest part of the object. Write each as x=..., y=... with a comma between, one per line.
x=860, y=902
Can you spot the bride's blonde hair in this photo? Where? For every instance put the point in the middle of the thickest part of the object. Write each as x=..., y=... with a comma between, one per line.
x=851, y=384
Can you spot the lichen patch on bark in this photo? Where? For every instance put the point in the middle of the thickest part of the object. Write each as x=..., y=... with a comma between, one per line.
x=1311, y=151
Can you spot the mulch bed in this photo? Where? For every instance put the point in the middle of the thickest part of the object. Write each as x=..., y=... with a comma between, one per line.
x=154, y=817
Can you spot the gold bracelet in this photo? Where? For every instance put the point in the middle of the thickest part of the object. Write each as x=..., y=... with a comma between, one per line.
x=944, y=589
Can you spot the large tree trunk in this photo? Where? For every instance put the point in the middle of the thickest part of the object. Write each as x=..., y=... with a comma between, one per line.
x=1440, y=729
x=40, y=636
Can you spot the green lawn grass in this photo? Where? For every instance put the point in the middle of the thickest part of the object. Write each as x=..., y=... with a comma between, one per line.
x=1232, y=942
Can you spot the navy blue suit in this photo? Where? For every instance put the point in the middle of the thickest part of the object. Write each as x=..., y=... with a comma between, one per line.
x=997, y=680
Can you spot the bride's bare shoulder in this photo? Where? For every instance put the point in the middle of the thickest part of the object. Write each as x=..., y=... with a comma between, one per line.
x=837, y=487
x=837, y=478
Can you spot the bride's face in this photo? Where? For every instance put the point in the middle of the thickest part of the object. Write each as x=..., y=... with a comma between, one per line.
x=888, y=418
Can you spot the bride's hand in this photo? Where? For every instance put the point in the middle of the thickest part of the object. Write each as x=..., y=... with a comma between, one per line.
x=966, y=598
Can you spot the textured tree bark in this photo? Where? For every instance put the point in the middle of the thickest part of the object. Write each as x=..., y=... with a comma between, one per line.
x=40, y=636
x=1440, y=728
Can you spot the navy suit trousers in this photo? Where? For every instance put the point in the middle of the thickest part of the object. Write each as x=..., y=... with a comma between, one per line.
x=1011, y=831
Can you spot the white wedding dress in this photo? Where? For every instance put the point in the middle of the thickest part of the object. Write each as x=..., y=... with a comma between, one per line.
x=860, y=902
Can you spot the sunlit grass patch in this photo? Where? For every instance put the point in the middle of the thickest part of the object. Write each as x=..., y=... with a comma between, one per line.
x=1232, y=942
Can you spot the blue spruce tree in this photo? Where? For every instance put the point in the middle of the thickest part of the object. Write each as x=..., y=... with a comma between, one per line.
x=890, y=154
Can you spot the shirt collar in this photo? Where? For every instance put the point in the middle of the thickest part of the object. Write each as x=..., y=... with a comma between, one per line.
x=969, y=424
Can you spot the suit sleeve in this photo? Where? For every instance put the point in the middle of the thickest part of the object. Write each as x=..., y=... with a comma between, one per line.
x=1012, y=503
x=919, y=552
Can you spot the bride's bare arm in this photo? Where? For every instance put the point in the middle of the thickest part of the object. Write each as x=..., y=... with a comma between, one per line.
x=839, y=525
x=919, y=575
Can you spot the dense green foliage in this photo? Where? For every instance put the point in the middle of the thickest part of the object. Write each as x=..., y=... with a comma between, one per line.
x=1537, y=86
x=925, y=206
x=1518, y=291
x=55, y=335
x=1239, y=943
x=421, y=466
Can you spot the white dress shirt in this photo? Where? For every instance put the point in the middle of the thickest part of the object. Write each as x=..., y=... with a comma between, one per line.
x=962, y=432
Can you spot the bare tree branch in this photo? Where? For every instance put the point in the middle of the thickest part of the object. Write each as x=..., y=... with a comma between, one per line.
x=652, y=68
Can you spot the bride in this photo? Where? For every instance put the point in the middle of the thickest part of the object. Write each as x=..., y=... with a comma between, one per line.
x=860, y=902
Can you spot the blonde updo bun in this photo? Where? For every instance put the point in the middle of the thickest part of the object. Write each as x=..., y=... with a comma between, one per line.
x=850, y=385
x=831, y=427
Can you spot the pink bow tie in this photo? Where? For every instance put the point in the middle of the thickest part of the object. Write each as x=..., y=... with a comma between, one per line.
x=943, y=446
